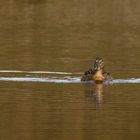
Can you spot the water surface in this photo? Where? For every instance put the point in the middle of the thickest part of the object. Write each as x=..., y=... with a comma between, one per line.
x=45, y=48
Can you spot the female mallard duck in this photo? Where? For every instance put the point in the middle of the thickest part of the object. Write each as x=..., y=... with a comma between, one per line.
x=96, y=73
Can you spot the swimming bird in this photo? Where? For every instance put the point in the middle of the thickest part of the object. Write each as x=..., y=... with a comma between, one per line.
x=97, y=72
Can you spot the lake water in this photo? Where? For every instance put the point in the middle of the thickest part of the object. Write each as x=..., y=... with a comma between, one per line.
x=46, y=46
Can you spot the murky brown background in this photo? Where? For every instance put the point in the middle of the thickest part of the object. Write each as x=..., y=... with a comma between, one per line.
x=53, y=35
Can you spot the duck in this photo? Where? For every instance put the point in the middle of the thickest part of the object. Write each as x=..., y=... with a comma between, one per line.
x=97, y=73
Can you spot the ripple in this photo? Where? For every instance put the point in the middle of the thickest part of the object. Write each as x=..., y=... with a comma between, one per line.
x=32, y=72
x=32, y=79
x=65, y=80
x=125, y=81
x=57, y=79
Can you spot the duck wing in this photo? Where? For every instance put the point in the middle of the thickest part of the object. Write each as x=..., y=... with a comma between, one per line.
x=107, y=76
x=91, y=71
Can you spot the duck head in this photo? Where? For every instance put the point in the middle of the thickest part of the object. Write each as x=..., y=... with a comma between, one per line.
x=98, y=64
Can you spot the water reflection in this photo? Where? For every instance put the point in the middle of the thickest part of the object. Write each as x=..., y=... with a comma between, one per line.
x=95, y=93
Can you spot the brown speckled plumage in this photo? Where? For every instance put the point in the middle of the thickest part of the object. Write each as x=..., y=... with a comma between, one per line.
x=97, y=73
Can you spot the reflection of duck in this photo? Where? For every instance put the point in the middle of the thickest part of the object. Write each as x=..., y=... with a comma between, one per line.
x=95, y=93
x=97, y=73
x=99, y=93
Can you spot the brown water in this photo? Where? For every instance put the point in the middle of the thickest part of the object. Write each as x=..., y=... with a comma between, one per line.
x=45, y=47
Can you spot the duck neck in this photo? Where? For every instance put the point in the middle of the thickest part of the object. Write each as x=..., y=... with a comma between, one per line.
x=99, y=72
